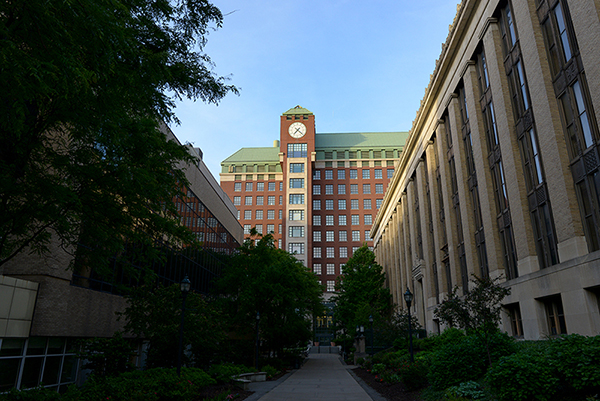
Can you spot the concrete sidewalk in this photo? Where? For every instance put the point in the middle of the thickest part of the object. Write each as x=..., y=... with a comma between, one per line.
x=323, y=377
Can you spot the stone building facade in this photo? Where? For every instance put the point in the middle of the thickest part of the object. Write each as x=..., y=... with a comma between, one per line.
x=500, y=175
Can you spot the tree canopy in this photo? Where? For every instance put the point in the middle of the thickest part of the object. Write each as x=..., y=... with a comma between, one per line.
x=272, y=282
x=361, y=291
x=84, y=86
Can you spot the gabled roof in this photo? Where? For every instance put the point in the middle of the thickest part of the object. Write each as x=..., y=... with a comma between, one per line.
x=298, y=110
x=245, y=155
x=361, y=140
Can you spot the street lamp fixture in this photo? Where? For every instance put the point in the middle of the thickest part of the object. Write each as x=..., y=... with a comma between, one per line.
x=408, y=297
x=185, y=286
x=371, y=323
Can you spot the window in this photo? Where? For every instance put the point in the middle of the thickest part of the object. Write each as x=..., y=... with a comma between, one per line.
x=316, y=204
x=270, y=214
x=378, y=188
x=555, y=315
x=248, y=187
x=296, y=182
x=260, y=200
x=354, y=189
x=248, y=201
x=260, y=186
x=247, y=228
x=378, y=203
x=329, y=174
x=330, y=286
x=343, y=252
x=390, y=173
x=329, y=236
x=296, y=215
x=296, y=150
x=317, y=268
x=366, y=203
x=342, y=189
x=316, y=220
x=296, y=231
x=296, y=167
x=247, y=214
x=280, y=229
x=366, y=189
x=356, y=235
x=329, y=220
x=316, y=236
x=353, y=174
x=354, y=204
x=355, y=219
x=259, y=228
x=271, y=187
x=342, y=220
x=368, y=219
x=259, y=215
x=330, y=252
x=366, y=174
x=330, y=268
x=296, y=199
x=354, y=249
x=271, y=200
x=342, y=204
x=316, y=174
x=280, y=186
x=329, y=204
x=329, y=189
x=297, y=248
x=343, y=236
x=341, y=174
x=514, y=312
x=316, y=189
x=316, y=252
x=238, y=214
x=368, y=235
x=280, y=214
x=237, y=187
x=237, y=200
x=378, y=174
x=270, y=228
x=281, y=199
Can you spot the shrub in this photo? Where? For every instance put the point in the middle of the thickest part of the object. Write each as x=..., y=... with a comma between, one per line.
x=468, y=390
x=33, y=394
x=413, y=375
x=466, y=359
x=270, y=371
x=378, y=368
x=222, y=373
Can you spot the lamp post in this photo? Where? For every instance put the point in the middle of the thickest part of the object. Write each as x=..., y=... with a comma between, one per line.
x=257, y=341
x=408, y=297
x=185, y=288
x=371, y=323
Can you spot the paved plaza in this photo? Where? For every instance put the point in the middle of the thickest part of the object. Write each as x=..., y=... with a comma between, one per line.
x=322, y=377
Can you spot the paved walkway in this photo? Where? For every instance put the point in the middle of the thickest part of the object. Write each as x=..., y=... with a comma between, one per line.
x=323, y=377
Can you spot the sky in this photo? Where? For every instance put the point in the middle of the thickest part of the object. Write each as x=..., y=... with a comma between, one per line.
x=359, y=66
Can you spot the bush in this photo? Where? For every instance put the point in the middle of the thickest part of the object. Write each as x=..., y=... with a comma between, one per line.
x=378, y=368
x=466, y=359
x=33, y=394
x=468, y=391
x=270, y=371
x=222, y=373
x=413, y=375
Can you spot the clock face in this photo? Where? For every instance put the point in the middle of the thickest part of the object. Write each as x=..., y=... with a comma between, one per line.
x=297, y=130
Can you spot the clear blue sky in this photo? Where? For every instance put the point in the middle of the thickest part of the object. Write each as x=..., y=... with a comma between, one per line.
x=359, y=66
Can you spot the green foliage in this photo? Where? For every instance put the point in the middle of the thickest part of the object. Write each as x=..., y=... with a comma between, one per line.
x=362, y=293
x=414, y=375
x=264, y=279
x=33, y=394
x=432, y=342
x=107, y=356
x=84, y=86
x=155, y=315
x=270, y=371
x=222, y=373
x=378, y=368
x=470, y=390
x=555, y=369
x=466, y=359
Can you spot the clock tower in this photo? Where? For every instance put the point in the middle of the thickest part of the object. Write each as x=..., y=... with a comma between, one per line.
x=297, y=155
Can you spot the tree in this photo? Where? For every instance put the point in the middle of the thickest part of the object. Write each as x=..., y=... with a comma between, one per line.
x=361, y=292
x=83, y=87
x=155, y=315
x=270, y=281
x=478, y=312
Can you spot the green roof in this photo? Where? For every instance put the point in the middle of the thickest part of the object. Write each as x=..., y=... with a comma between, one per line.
x=297, y=111
x=247, y=155
x=361, y=140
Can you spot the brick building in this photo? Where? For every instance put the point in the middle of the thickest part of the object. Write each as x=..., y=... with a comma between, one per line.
x=316, y=192
x=500, y=175
x=45, y=306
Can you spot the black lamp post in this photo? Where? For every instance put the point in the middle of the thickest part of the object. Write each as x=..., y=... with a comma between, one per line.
x=185, y=288
x=371, y=323
x=257, y=341
x=408, y=297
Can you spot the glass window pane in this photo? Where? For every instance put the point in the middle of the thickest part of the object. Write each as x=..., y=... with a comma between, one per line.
x=36, y=346
x=12, y=347
x=9, y=369
x=51, y=370
x=69, y=370
x=31, y=372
